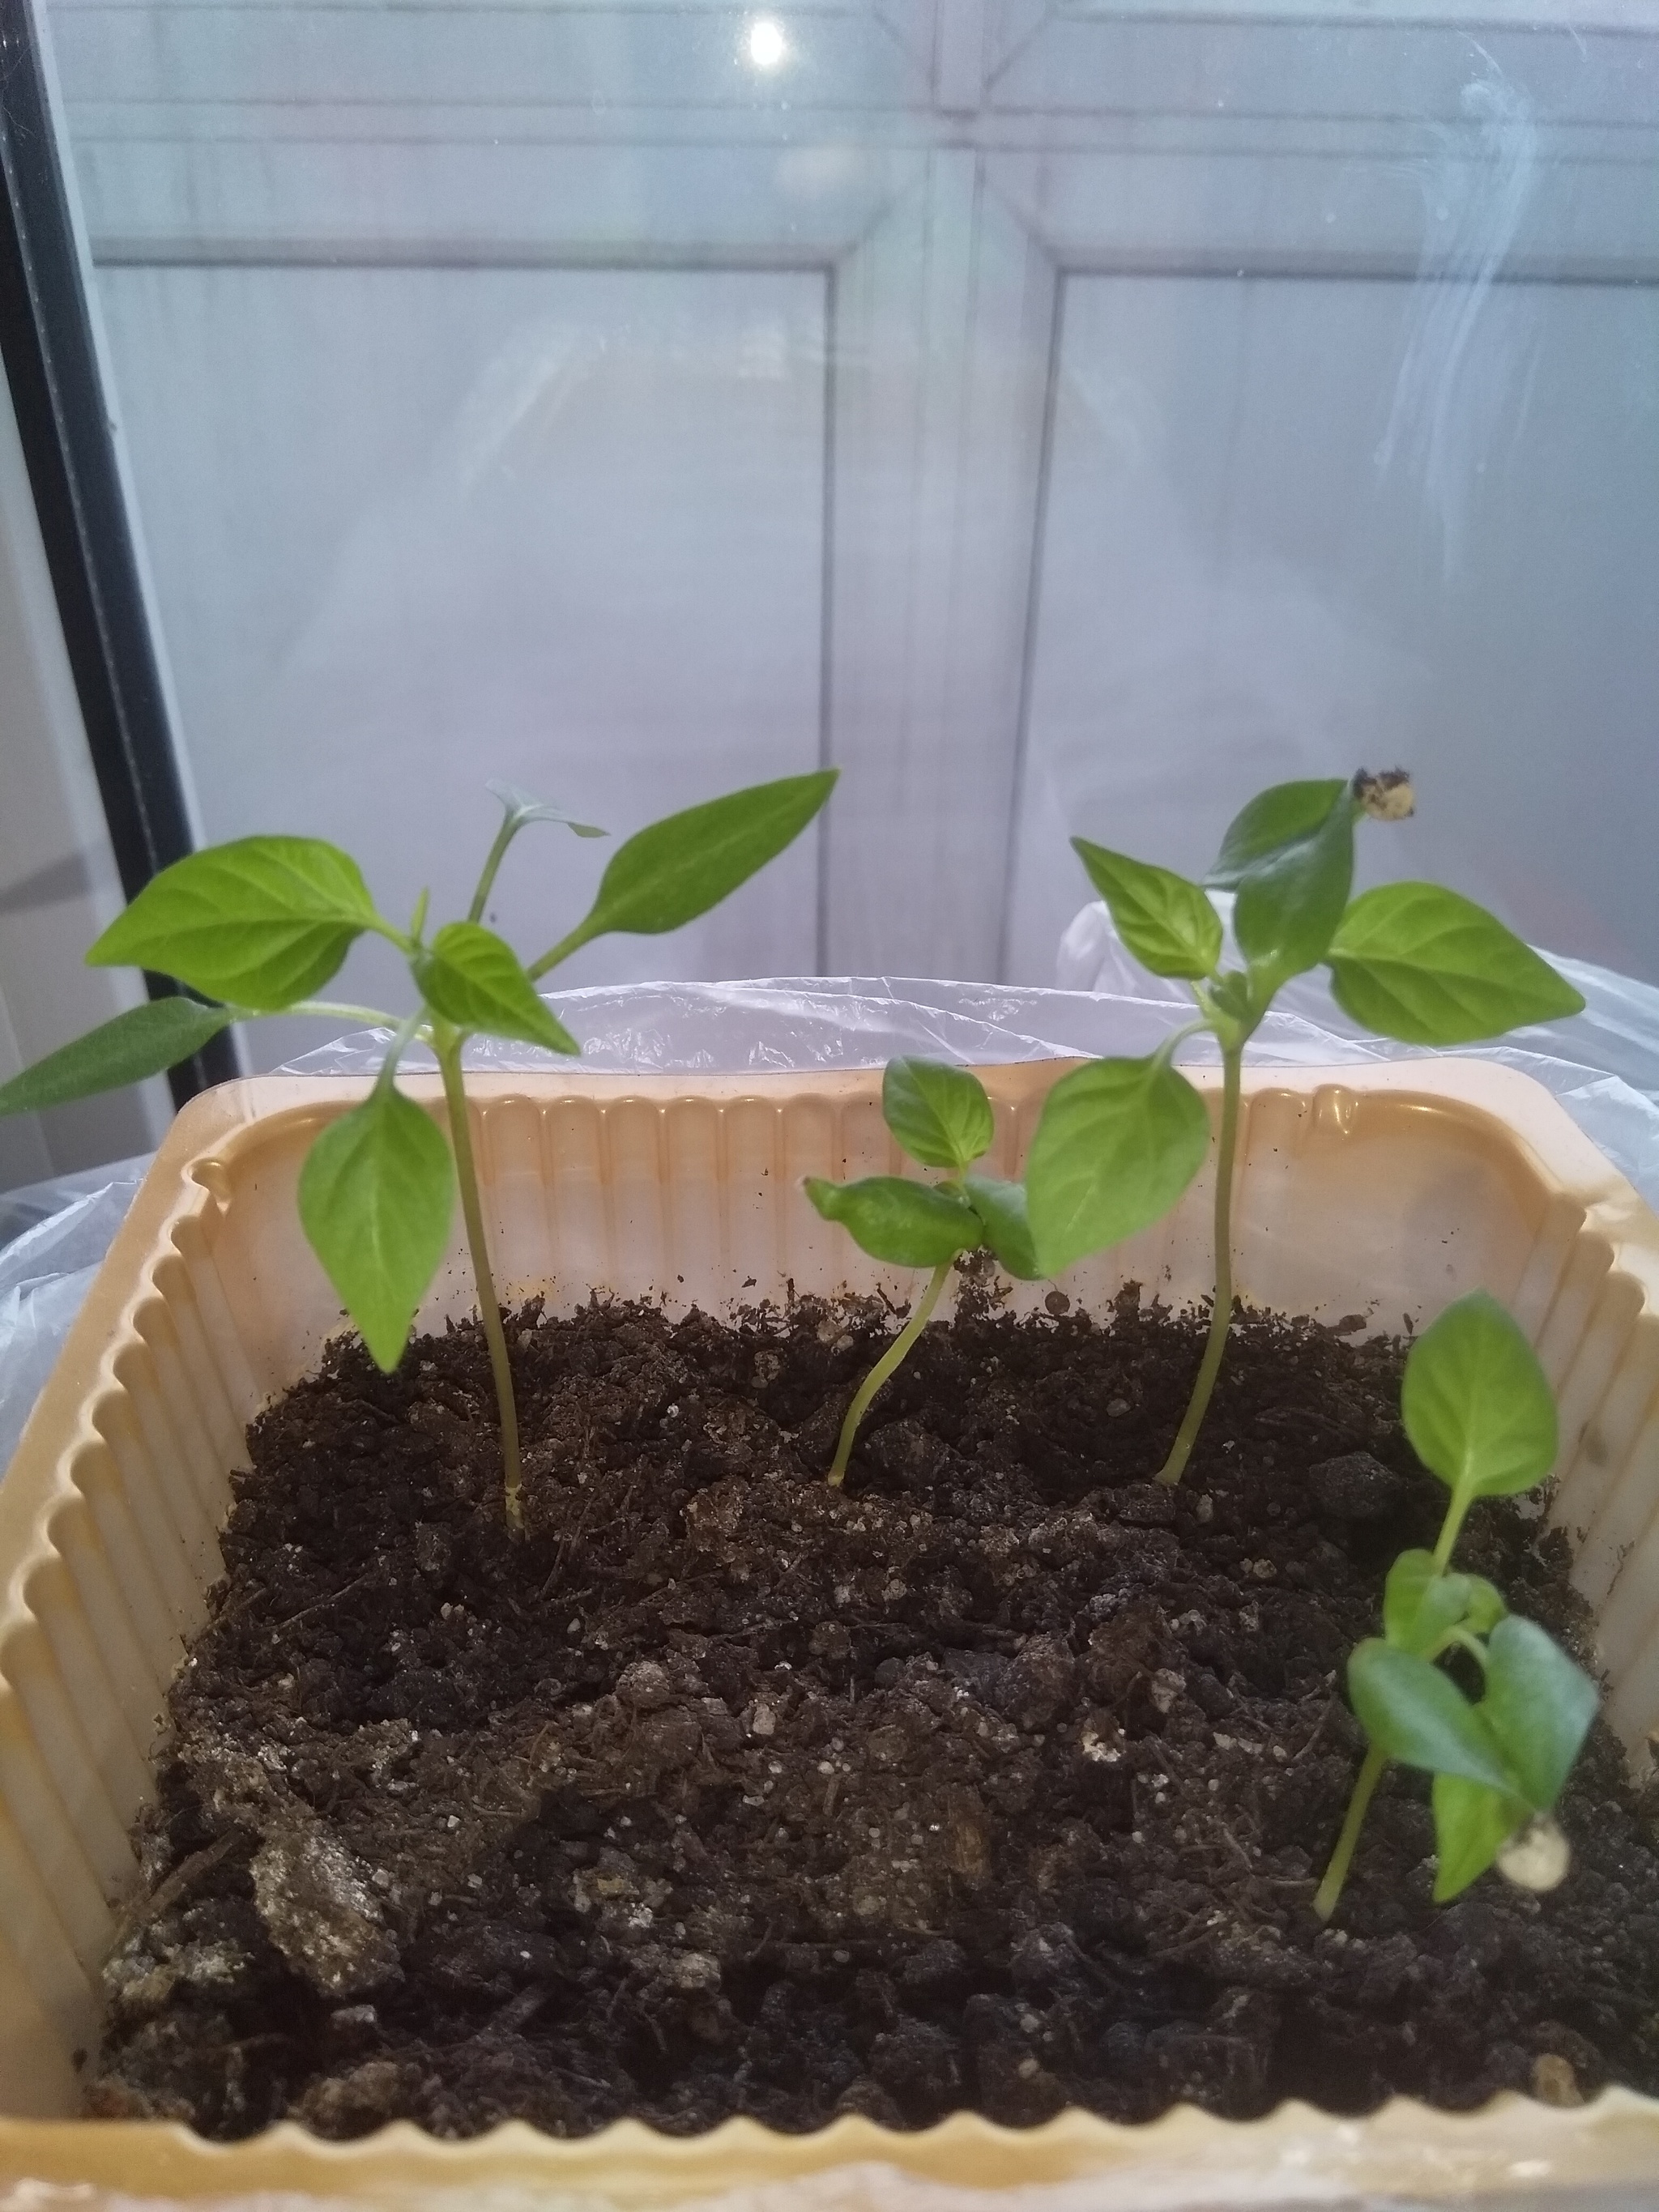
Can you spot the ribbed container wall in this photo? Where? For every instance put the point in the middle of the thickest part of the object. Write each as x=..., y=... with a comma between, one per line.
x=1370, y=1198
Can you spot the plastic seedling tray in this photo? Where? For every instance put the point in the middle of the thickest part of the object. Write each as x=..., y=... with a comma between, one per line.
x=1388, y=1191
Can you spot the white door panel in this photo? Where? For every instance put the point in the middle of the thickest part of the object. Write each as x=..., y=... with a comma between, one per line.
x=1292, y=524
x=986, y=395
x=563, y=527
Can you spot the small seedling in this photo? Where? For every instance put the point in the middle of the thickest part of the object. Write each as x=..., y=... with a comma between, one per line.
x=1408, y=960
x=259, y=924
x=1480, y=1415
x=941, y=1118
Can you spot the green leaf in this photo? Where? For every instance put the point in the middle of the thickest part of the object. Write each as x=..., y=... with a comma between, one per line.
x=1418, y=1715
x=668, y=874
x=1416, y=962
x=1485, y=1606
x=910, y=1224
x=1165, y=920
x=1231, y=994
x=1420, y=1605
x=1472, y=1824
x=145, y=1040
x=260, y=922
x=1411, y=1577
x=376, y=1193
x=940, y=1115
x=1282, y=815
x=1001, y=1206
x=1118, y=1142
x=522, y=806
x=474, y=979
x=1475, y=1405
x=1290, y=902
x=1537, y=1706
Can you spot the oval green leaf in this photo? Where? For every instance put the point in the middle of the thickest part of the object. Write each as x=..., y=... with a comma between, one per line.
x=474, y=979
x=1485, y=1605
x=1475, y=1403
x=1411, y=1578
x=668, y=874
x=1472, y=1824
x=1416, y=962
x=1001, y=1206
x=1418, y=1715
x=145, y=1040
x=939, y=1114
x=1290, y=900
x=1420, y=1605
x=1118, y=1142
x=1539, y=1705
x=909, y=1225
x=261, y=922
x=1165, y=920
x=1282, y=815
x=376, y=1193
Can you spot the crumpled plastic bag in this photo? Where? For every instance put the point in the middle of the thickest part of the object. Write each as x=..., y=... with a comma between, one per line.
x=1603, y=1065
x=46, y=1271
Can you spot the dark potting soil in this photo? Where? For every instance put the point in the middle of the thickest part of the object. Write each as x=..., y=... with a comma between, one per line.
x=1002, y=1778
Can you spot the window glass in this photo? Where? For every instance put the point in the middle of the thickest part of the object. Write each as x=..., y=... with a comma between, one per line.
x=1063, y=416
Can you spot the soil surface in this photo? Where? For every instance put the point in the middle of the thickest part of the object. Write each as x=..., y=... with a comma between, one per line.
x=1002, y=1778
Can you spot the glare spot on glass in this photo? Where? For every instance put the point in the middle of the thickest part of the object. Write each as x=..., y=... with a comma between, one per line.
x=764, y=44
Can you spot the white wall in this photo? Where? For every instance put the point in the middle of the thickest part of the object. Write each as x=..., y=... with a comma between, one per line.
x=1064, y=416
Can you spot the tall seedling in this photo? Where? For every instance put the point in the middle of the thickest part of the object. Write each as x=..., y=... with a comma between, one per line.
x=258, y=926
x=1409, y=960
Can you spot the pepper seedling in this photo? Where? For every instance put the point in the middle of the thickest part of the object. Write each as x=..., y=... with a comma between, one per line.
x=940, y=1117
x=1408, y=960
x=258, y=925
x=1480, y=1415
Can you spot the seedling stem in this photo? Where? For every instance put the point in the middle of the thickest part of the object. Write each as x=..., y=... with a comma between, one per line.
x=887, y=1365
x=1336, y=1874
x=1221, y=1312
x=446, y=1046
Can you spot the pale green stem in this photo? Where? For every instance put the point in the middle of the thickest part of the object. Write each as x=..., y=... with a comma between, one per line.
x=408, y=1029
x=1221, y=1314
x=460, y=1137
x=504, y=836
x=562, y=951
x=1336, y=1872
x=1172, y=1043
x=1451, y=1529
x=890, y=1360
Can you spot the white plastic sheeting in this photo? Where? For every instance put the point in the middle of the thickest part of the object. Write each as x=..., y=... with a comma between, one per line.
x=45, y=1273
x=1603, y=1065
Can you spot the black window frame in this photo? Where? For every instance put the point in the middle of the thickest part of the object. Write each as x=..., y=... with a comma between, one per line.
x=51, y=362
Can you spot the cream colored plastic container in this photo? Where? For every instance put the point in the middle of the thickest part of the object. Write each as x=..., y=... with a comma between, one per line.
x=1385, y=1191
